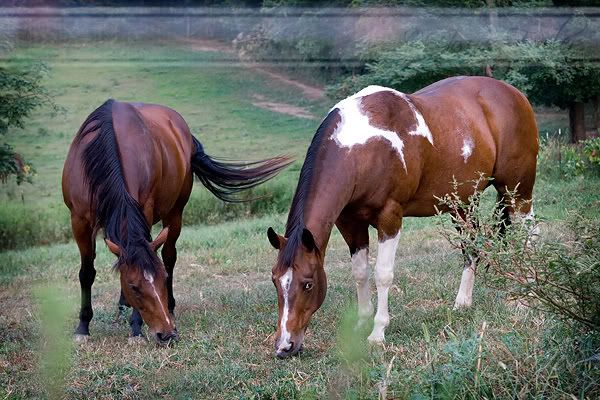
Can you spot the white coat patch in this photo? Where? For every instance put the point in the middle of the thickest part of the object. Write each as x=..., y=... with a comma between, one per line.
x=285, y=282
x=355, y=127
x=467, y=149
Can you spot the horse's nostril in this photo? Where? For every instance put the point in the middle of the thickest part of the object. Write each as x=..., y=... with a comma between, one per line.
x=165, y=337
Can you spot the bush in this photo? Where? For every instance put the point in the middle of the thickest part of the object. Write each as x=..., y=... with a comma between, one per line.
x=560, y=276
x=561, y=160
x=22, y=226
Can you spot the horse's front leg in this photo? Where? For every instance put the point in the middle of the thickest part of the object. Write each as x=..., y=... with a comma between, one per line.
x=169, y=254
x=83, y=234
x=388, y=231
x=356, y=235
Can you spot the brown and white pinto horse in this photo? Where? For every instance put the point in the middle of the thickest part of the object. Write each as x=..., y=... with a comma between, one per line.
x=129, y=167
x=381, y=155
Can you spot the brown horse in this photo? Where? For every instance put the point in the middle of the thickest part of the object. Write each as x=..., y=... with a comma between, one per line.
x=381, y=155
x=129, y=167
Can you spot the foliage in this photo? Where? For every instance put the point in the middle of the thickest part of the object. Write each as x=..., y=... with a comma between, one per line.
x=21, y=92
x=413, y=65
x=12, y=163
x=561, y=160
x=549, y=73
x=591, y=149
x=561, y=277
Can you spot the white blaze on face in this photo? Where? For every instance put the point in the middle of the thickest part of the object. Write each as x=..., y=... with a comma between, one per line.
x=148, y=276
x=467, y=149
x=355, y=127
x=285, y=282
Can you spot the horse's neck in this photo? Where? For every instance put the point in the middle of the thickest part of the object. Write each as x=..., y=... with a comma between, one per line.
x=329, y=195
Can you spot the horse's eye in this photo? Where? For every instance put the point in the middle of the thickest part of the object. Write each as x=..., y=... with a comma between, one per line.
x=135, y=289
x=308, y=286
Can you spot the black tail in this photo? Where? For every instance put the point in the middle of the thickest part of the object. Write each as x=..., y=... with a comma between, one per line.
x=226, y=179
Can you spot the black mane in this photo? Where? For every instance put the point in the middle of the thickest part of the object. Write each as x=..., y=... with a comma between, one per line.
x=295, y=222
x=116, y=211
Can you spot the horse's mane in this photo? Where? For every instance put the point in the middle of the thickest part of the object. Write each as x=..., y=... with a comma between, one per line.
x=295, y=222
x=116, y=211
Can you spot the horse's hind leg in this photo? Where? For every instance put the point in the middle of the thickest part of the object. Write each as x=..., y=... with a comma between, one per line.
x=464, y=297
x=516, y=200
x=84, y=236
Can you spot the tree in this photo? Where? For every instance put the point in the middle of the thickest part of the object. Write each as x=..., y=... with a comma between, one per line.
x=554, y=73
x=549, y=73
x=21, y=92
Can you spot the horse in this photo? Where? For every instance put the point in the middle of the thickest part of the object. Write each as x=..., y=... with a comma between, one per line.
x=381, y=155
x=130, y=166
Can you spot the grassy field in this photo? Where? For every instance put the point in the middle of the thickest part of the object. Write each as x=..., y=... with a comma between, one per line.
x=226, y=304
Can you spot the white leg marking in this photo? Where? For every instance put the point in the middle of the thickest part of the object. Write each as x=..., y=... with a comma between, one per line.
x=384, y=276
x=286, y=282
x=150, y=280
x=464, y=298
x=360, y=270
x=534, y=229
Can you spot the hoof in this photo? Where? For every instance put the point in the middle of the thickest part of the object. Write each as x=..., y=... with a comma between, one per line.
x=137, y=340
x=78, y=338
x=461, y=304
x=376, y=339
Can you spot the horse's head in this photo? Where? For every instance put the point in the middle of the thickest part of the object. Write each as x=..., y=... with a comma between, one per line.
x=301, y=286
x=146, y=290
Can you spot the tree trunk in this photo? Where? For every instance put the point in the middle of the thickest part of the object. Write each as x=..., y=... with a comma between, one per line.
x=577, y=121
x=596, y=126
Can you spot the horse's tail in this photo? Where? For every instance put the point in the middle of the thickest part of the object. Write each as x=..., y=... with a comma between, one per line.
x=226, y=179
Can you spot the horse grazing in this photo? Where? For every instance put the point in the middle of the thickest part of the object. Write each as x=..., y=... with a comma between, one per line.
x=129, y=167
x=381, y=155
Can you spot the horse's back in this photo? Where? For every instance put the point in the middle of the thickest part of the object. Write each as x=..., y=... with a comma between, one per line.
x=154, y=145
x=479, y=126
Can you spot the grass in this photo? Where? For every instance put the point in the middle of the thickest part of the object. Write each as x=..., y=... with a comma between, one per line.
x=214, y=97
x=226, y=305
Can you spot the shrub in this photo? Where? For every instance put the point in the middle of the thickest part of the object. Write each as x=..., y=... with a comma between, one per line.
x=560, y=276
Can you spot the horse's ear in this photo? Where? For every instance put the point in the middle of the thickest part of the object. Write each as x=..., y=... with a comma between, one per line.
x=113, y=247
x=160, y=239
x=308, y=240
x=275, y=240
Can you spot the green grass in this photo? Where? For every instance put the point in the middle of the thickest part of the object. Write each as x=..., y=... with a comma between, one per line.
x=213, y=96
x=226, y=305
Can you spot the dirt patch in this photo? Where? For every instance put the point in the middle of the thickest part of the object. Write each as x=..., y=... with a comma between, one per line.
x=260, y=101
x=309, y=91
x=208, y=45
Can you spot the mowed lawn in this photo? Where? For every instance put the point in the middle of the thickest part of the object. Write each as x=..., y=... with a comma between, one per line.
x=226, y=304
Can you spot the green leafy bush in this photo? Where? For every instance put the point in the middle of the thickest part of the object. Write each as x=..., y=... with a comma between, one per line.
x=559, y=276
x=561, y=160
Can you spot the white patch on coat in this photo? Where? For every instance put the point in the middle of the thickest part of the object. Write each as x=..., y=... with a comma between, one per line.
x=355, y=127
x=285, y=281
x=467, y=149
x=150, y=280
x=421, y=129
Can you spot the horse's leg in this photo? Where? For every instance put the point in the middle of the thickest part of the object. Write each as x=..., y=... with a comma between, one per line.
x=136, y=323
x=356, y=235
x=388, y=232
x=121, y=308
x=84, y=236
x=169, y=253
x=464, y=297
